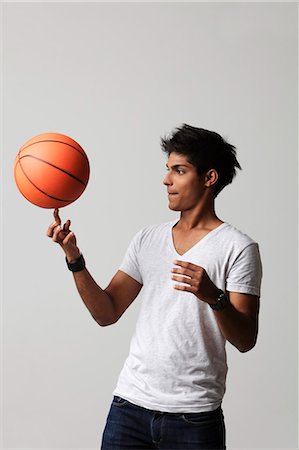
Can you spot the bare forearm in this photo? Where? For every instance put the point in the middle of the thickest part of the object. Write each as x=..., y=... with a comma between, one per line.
x=97, y=301
x=238, y=328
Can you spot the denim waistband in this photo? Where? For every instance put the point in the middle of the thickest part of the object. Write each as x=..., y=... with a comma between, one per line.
x=117, y=397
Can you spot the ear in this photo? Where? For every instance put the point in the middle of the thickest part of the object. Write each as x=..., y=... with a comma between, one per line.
x=211, y=177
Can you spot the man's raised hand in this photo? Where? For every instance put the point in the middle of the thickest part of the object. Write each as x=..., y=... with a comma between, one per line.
x=63, y=236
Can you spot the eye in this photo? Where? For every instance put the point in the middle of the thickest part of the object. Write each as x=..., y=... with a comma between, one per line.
x=177, y=170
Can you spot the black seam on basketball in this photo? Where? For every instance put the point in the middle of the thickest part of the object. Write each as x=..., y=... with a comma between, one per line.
x=56, y=167
x=48, y=195
x=54, y=140
x=34, y=203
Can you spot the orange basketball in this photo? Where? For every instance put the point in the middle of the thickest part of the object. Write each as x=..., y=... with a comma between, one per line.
x=51, y=170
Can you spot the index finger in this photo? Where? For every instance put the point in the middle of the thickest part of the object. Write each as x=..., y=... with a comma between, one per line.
x=56, y=216
x=187, y=265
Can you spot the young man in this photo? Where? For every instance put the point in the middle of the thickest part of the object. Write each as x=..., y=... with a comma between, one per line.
x=199, y=281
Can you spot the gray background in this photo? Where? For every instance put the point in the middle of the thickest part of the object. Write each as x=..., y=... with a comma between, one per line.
x=116, y=77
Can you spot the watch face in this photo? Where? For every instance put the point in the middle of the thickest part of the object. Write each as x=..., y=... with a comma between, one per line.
x=223, y=300
x=221, y=303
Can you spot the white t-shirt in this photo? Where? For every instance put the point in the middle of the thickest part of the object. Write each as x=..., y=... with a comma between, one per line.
x=177, y=358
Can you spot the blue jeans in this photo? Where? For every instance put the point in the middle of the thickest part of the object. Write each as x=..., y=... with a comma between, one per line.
x=132, y=427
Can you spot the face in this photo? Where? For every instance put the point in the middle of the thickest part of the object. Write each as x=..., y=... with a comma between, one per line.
x=185, y=189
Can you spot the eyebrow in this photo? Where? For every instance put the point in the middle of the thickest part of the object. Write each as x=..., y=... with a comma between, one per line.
x=177, y=165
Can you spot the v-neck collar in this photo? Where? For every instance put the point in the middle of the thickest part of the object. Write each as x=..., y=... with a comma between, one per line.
x=206, y=237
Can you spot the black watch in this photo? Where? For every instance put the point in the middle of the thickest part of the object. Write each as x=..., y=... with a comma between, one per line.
x=222, y=302
x=77, y=265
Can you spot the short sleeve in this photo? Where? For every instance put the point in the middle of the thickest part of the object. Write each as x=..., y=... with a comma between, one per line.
x=130, y=264
x=245, y=275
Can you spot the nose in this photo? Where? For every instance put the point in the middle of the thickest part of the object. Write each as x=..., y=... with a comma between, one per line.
x=167, y=180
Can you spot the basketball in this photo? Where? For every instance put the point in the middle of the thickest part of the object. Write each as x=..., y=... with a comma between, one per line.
x=51, y=170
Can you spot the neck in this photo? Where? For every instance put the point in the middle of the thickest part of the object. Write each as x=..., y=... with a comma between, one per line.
x=202, y=216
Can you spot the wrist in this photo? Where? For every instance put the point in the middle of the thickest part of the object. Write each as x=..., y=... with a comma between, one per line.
x=76, y=266
x=221, y=302
x=213, y=300
x=72, y=256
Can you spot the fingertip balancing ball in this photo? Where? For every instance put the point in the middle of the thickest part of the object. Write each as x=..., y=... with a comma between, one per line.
x=51, y=170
